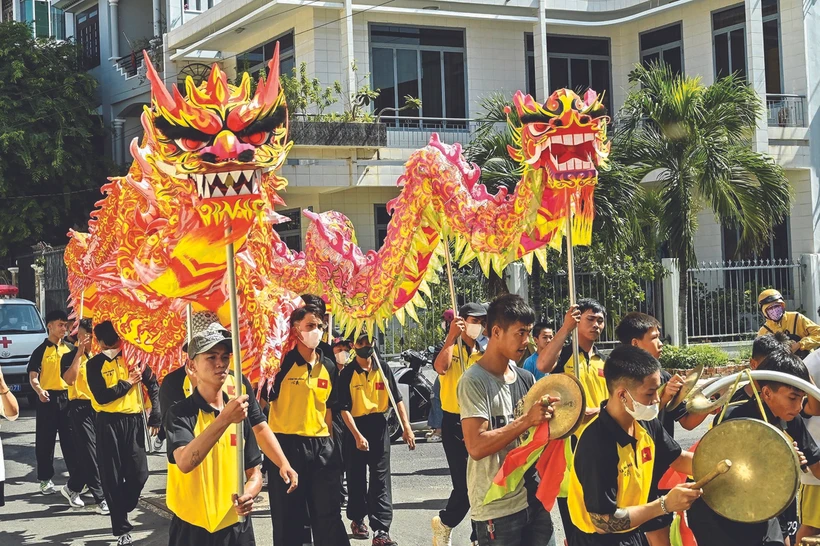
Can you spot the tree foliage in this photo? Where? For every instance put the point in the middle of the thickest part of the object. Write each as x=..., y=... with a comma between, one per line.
x=50, y=168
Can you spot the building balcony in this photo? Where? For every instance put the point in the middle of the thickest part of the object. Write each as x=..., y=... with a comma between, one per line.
x=786, y=110
x=415, y=132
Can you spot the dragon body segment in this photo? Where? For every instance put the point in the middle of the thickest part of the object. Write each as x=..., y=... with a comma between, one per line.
x=208, y=162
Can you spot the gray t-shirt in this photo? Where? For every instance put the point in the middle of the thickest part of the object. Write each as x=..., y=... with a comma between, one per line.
x=482, y=395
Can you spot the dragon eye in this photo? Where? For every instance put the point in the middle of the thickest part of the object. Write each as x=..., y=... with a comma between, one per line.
x=538, y=129
x=190, y=144
x=257, y=139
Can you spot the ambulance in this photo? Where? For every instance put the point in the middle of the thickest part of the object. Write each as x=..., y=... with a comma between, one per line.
x=21, y=331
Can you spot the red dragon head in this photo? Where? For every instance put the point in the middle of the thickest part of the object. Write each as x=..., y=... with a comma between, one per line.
x=566, y=136
x=221, y=141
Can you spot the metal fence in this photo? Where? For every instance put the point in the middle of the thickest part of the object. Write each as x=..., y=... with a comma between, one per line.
x=415, y=132
x=786, y=110
x=722, y=296
x=55, y=278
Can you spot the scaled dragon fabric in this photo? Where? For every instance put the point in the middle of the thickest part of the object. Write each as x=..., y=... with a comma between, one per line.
x=205, y=175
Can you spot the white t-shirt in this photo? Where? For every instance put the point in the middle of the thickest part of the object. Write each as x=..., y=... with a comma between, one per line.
x=812, y=362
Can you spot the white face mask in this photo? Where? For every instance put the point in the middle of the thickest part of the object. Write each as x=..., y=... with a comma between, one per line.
x=111, y=354
x=311, y=339
x=642, y=412
x=342, y=357
x=473, y=330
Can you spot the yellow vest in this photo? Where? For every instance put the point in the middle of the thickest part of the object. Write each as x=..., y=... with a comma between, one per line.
x=80, y=389
x=51, y=377
x=114, y=371
x=449, y=381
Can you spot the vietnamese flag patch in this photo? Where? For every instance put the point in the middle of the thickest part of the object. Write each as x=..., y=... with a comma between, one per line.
x=231, y=390
x=600, y=372
x=646, y=454
x=322, y=383
x=233, y=440
x=379, y=386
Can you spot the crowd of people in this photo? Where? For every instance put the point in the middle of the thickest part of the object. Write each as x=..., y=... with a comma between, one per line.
x=321, y=431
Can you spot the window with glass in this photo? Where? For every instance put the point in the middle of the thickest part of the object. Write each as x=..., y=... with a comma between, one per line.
x=423, y=63
x=7, y=13
x=529, y=55
x=574, y=63
x=776, y=249
x=291, y=232
x=256, y=60
x=729, y=37
x=382, y=220
x=664, y=45
x=771, y=47
x=87, y=28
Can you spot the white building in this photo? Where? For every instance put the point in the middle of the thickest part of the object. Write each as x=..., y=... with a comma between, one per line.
x=451, y=54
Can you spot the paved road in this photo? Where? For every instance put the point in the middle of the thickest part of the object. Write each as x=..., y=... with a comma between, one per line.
x=421, y=484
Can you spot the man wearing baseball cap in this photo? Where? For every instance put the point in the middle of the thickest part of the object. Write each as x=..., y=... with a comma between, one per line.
x=463, y=346
x=804, y=334
x=202, y=474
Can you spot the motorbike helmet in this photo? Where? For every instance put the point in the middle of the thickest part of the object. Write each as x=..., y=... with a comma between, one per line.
x=768, y=297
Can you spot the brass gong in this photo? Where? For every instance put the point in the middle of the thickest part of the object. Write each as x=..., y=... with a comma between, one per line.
x=689, y=383
x=765, y=470
x=569, y=412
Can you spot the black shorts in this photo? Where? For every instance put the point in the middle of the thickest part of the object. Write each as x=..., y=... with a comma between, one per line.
x=183, y=533
x=788, y=521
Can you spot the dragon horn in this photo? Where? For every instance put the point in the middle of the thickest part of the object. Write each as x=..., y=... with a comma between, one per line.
x=158, y=90
x=268, y=93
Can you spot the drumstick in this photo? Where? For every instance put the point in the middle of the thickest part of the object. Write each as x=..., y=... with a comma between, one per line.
x=721, y=468
x=809, y=541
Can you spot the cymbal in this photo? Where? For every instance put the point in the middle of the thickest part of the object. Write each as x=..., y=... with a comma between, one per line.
x=689, y=383
x=569, y=412
x=759, y=452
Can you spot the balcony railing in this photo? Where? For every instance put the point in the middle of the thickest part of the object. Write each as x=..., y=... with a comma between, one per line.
x=786, y=110
x=130, y=64
x=415, y=132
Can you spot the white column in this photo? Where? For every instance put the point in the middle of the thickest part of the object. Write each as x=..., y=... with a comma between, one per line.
x=14, y=271
x=756, y=68
x=157, y=17
x=119, y=151
x=517, y=280
x=811, y=29
x=539, y=39
x=40, y=287
x=348, y=52
x=70, y=30
x=811, y=285
x=114, y=16
x=671, y=297
x=15, y=10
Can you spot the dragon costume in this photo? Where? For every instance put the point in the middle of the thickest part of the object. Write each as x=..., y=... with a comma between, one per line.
x=209, y=161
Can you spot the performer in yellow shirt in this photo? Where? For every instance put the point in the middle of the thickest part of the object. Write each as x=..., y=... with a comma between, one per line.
x=804, y=334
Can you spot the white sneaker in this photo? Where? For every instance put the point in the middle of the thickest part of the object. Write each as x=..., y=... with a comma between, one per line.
x=102, y=508
x=124, y=540
x=441, y=533
x=85, y=492
x=73, y=498
x=433, y=438
x=47, y=487
x=158, y=444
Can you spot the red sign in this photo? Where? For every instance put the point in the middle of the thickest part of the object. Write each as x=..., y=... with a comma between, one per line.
x=5, y=342
x=380, y=386
x=233, y=440
x=231, y=390
x=322, y=383
x=646, y=454
x=600, y=372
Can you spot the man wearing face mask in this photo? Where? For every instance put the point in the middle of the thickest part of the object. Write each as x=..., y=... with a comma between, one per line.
x=301, y=417
x=611, y=478
x=464, y=346
x=364, y=404
x=803, y=333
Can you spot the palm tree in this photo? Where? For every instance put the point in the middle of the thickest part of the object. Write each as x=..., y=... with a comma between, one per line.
x=696, y=140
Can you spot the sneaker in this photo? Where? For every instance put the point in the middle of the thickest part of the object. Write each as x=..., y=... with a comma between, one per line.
x=102, y=508
x=158, y=444
x=124, y=540
x=73, y=498
x=433, y=438
x=84, y=491
x=441, y=533
x=359, y=530
x=381, y=538
x=47, y=487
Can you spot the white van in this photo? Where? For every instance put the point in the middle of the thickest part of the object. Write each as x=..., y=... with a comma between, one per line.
x=21, y=331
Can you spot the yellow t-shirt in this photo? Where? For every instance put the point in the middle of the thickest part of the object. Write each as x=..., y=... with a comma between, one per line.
x=798, y=327
x=112, y=372
x=80, y=389
x=46, y=361
x=365, y=392
x=300, y=394
x=449, y=381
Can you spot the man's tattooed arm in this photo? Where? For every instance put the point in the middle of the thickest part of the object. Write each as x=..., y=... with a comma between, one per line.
x=195, y=459
x=615, y=523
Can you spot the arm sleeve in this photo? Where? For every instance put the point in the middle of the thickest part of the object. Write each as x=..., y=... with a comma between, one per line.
x=35, y=362
x=170, y=392
x=255, y=415
x=253, y=457
x=66, y=360
x=341, y=388
x=810, y=334
x=103, y=394
x=797, y=429
x=563, y=358
x=149, y=379
x=598, y=476
x=179, y=430
x=472, y=398
x=667, y=450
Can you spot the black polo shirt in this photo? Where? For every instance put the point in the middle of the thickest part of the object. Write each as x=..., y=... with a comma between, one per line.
x=614, y=470
x=364, y=393
x=711, y=529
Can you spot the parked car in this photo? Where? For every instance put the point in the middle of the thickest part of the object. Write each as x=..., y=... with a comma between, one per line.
x=21, y=331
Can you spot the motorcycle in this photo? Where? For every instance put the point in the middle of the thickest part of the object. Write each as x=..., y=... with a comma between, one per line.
x=416, y=391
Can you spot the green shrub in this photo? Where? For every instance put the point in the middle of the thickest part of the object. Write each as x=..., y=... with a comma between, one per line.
x=686, y=358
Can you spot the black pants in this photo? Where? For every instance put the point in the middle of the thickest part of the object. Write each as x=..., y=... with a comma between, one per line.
x=453, y=441
x=318, y=464
x=375, y=499
x=83, y=425
x=340, y=432
x=52, y=418
x=123, y=464
x=182, y=533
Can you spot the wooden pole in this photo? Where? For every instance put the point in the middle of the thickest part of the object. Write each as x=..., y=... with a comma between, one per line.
x=389, y=392
x=237, y=364
x=453, y=299
x=571, y=287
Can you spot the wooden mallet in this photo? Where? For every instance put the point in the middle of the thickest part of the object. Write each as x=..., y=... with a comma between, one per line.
x=721, y=468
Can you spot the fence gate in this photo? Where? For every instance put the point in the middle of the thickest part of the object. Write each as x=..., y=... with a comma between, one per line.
x=55, y=278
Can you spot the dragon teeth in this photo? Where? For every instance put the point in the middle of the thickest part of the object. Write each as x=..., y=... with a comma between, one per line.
x=231, y=191
x=217, y=193
x=244, y=190
x=578, y=138
x=210, y=177
x=588, y=137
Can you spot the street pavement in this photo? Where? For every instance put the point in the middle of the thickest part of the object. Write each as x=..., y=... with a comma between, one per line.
x=421, y=484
